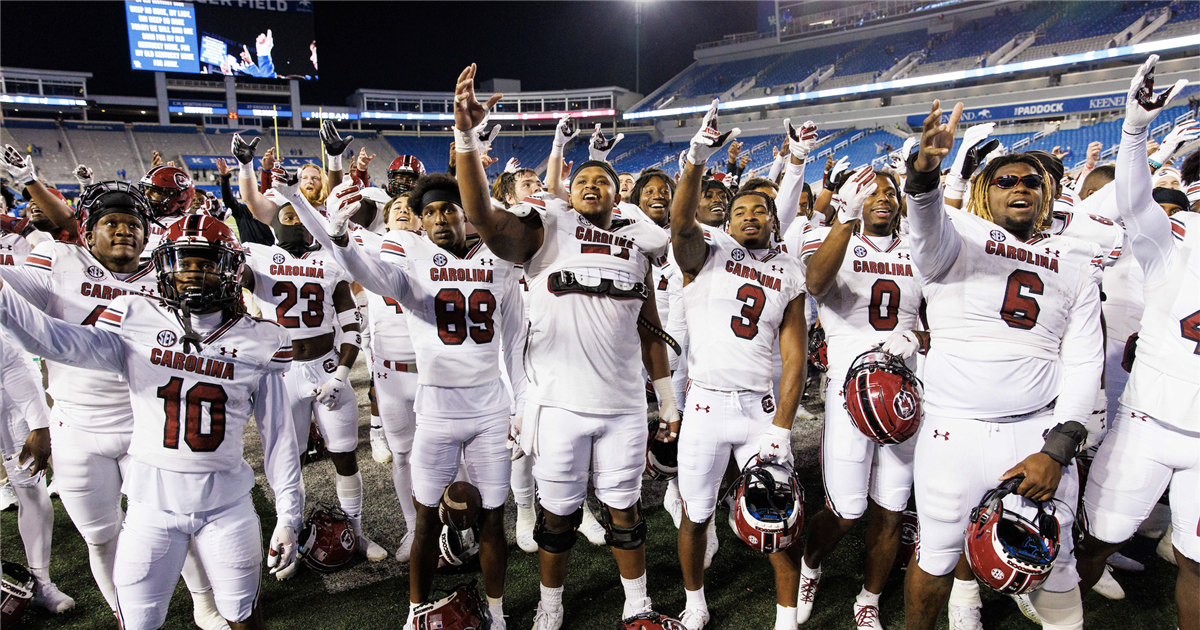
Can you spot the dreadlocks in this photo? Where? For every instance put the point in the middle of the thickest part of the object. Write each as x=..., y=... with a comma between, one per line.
x=979, y=188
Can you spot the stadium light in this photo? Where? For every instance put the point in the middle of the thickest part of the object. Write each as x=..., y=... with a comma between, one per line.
x=946, y=77
x=42, y=100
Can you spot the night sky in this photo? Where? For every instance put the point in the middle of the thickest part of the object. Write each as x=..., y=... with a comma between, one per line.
x=408, y=45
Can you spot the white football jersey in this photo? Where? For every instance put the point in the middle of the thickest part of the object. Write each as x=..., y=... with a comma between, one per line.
x=390, y=339
x=296, y=293
x=1165, y=381
x=1093, y=229
x=13, y=250
x=585, y=288
x=998, y=317
x=155, y=231
x=66, y=282
x=734, y=308
x=876, y=292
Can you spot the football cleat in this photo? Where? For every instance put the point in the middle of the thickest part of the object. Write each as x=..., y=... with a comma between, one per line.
x=673, y=502
x=404, y=550
x=1119, y=561
x=965, y=617
x=526, y=519
x=808, y=595
x=204, y=612
x=51, y=599
x=8, y=497
x=867, y=617
x=1025, y=605
x=371, y=550
x=548, y=618
x=591, y=528
x=694, y=618
x=1108, y=585
x=379, y=447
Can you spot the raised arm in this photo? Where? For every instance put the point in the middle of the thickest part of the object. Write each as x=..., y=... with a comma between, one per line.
x=40, y=334
x=935, y=243
x=687, y=237
x=823, y=265
x=262, y=208
x=800, y=143
x=1146, y=224
x=335, y=146
x=510, y=237
x=22, y=171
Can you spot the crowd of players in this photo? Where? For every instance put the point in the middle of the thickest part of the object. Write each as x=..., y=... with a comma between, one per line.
x=958, y=316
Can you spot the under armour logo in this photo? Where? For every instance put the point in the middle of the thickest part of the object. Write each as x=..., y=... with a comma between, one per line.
x=1143, y=418
x=381, y=375
x=705, y=408
x=230, y=353
x=903, y=256
x=1054, y=253
x=945, y=436
x=487, y=261
x=776, y=269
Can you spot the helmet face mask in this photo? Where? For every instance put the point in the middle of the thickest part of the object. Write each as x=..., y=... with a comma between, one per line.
x=768, y=506
x=1008, y=552
x=327, y=541
x=199, y=265
x=19, y=587
x=662, y=458
x=169, y=191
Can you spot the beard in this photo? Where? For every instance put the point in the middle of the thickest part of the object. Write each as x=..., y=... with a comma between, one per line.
x=313, y=196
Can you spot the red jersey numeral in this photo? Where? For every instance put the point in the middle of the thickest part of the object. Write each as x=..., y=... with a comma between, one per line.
x=312, y=316
x=1020, y=309
x=884, y=313
x=753, y=300
x=1189, y=327
x=194, y=435
x=394, y=304
x=452, y=310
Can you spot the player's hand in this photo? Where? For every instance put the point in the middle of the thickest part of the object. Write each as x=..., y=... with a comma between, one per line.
x=600, y=147
x=708, y=140
x=263, y=44
x=836, y=173
x=222, y=167
x=344, y=201
x=514, y=438
x=36, y=450
x=19, y=168
x=774, y=444
x=268, y=159
x=801, y=141
x=937, y=138
x=363, y=160
x=1142, y=106
x=682, y=161
x=335, y=144
x=512, y=165
x=282, y=553
x=313, y=56
x=284, y=183
x=735, y=149
x=1060, y=153
x=469, y=113
x=485, y=137
x=1093, y=153
x=84, y=175
x=1181, y=135
x=244, y=151
x=1042, y=475
x=854, y=193
x=902, y=343
x=564, y=131
x=973, y=136
x=331, y=392
x=155, y=159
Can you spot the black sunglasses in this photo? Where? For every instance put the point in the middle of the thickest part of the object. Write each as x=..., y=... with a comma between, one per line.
x=1031, y=182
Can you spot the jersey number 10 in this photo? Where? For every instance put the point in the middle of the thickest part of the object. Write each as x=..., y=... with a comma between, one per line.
x=193, y=433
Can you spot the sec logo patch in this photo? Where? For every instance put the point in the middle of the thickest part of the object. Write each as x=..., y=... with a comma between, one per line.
x=738, y=254
x=439, y=260
x=997, y=235
x=278, y=258
x=167, y=338
x=860, y=251
x=95, y=272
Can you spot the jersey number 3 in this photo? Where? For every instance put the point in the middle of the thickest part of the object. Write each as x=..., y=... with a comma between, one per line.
x=453, y=309
x=1020, y=309
x=199, y=395
x=753, y=299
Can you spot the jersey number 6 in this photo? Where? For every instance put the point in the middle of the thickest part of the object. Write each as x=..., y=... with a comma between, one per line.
x=1021, y=310
x=199, y=395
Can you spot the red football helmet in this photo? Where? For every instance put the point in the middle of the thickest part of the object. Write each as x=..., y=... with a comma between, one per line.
x=327, y=541
x=19, y=587
x=315, y=450
x=909, y=532
x=1007, y=551
x=662, y=458
x=456, y=547
x=768, y=510
x=403, y=173
x=883, y=397
x=460, y=610
x=818, y=349
x=169, y=191
x=200, y=236
x=651, y=621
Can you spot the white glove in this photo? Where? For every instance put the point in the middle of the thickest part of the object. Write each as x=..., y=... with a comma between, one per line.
x=84, y=176
x=1141, y=104
x=774, y=444
x=512, y=165
x=682, y=160
x=19, y=168
x=801, y=141
x=283, y=182
x=708, y=140
x=600, y=147
x=564, y=132
x=263, y=44
x=902, y=343
x=344, y=200
x=486, y=137
x=973, y=136
x=282, y=553
x=514, y=438
x=668, y=411
x=330, y=392
x=853, y=194
x=1177, y=137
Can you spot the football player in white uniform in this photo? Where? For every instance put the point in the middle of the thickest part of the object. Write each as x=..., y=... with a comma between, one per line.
x=196, y=368
x=860, y=271
x=307, y=292
x=91, y=424
x=1014, y=367
x=1155, y=439
x=589, y=285
x=740, y=296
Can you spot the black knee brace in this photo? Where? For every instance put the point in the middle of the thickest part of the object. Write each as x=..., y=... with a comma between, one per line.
x=556, y=542
x=624, y=538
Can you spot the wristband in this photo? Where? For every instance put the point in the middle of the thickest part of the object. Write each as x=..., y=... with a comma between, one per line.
x=465, y=141
x=335, y=162
x=342, y=373
x=347, y=317
x=917, y=182
x=556, y=150
x=246, y=170
x=1062, y=442
x=956, y=187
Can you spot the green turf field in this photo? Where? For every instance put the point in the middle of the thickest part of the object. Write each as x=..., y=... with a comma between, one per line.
x=740, y=584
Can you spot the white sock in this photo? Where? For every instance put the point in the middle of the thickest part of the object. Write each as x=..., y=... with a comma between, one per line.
x=350, y=496
x=551, y=597
x=402, y=479
x=635, y=589
x=808, y=571
x=1059, y=611
x=785, y=618
x=376, y=423
x=41, y=574
x=695, y=599
x=103, y=558
x=867, y=598
x=965, y=593
x=35, y=521
x=496, y=607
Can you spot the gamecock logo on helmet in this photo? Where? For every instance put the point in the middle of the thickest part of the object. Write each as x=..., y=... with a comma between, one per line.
x=905, y=405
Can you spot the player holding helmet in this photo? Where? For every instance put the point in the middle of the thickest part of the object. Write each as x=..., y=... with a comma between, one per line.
x=1013, y=310
x=740, y=296
x=861, y=273
x=196, y=367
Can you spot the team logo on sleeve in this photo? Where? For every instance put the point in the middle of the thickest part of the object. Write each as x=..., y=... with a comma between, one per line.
x=860, y=251
x=278, y=258
x=768, y=403
x=167, y=338
x=738, y=254
x=95, y=272
x=905, y=405
x=997, y=235
x=329, y=365
x=439, y=260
